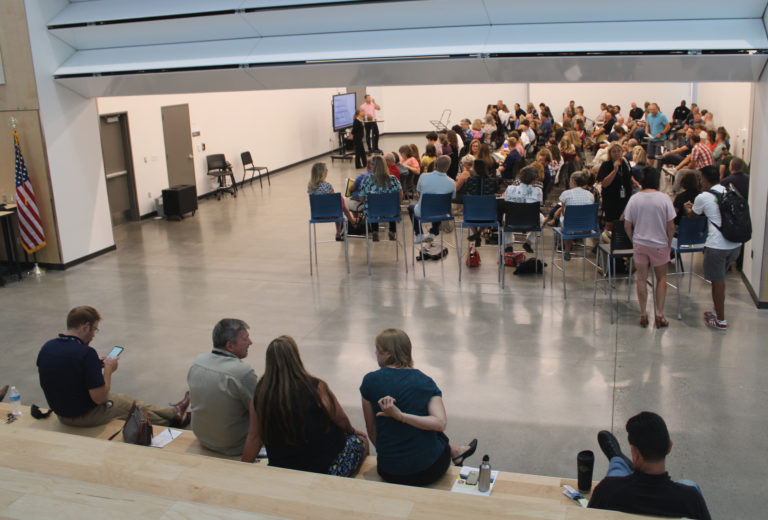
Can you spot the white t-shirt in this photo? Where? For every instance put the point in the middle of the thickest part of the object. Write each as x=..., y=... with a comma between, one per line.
x=705, y=204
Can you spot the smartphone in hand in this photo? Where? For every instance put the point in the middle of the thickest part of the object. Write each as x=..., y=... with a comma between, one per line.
x=115, y=352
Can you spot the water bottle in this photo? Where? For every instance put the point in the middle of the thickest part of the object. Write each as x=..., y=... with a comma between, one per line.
x=15, y=398
x=484, y=482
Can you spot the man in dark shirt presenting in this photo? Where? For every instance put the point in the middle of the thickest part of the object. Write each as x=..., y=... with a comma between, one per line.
x=642, y=485
x=76, y=389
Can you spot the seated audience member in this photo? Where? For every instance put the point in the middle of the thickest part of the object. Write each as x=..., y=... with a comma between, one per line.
x=77, y=382
x=436, y=182
x=318, y=186
x=453, y=152
x=680, y=115
x=472, y=148
x=640, y=161
x=519, y=112
x=507, y=168
x=354, y=202
x=556, y=164
x=545, y=128
x=709, y=123
x=677, y=155
x=489, y=127
x=484, y=154
x=298, y=419
x=738, y=177
x=220, y=389
x=432, y=140
x=466, y=131
x=466, y=171
x=635, y=112
x=526, y=137
x=409, y=161
x=576, y=196
x=477, y=130
x=524, y=191
x=407, y=430
x=689, y=182
x=641, y=485
x=531, y=111
x=700, y=156
x=544, y=158
x=414, y=151
x=392, y=165
x=380, y=182
x=480, y=181
x=428, y=159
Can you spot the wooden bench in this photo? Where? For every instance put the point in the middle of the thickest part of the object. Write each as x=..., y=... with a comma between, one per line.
x=256, y=488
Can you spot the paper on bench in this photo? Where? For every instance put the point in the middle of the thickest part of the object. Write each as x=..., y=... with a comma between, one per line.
x=164, y=437
x=460, y=486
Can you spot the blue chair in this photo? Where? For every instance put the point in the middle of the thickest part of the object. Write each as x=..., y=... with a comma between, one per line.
x=579, y=221
x=480, y=211
x=326, y=208
x=522, y=217
x=619, y=247
x=435, y=208
x=384, y=207
x=691, y=236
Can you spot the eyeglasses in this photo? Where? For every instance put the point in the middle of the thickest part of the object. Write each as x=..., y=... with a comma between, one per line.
x=94, y=329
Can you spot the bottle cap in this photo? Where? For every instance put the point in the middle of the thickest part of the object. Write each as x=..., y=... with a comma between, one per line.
x=486, y=458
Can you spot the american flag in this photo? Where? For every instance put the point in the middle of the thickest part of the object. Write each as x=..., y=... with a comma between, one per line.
x=30, y=226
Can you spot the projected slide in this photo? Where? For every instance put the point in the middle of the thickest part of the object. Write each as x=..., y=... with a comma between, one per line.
x=343, y=110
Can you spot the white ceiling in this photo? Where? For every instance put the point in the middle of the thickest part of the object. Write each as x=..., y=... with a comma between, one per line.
x=151, y=39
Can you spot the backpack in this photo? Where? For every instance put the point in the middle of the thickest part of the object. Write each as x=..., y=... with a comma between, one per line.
x=736, y=223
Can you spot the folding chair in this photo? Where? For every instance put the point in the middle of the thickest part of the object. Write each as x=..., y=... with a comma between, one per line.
x=691, y=236
x=385, y=207
x=326, y=208
x=578, y=222
x=248, y=166
x=434, y=208
x=523, y=217
x=619, y=247
x=480, y=211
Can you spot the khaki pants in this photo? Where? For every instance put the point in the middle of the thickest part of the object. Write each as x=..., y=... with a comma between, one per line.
x=117, y=407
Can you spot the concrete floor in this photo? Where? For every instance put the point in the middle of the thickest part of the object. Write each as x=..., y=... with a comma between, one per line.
x=532, y=376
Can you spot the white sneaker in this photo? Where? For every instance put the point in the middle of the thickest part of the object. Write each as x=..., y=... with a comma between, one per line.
x=419, y=239
x=429, y=238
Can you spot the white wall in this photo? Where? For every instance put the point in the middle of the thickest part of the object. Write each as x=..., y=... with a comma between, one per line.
x=278, y=127
x=410, y=108
x=71, y=132
x=731, y=107
x=590, y=95
x=756, y=270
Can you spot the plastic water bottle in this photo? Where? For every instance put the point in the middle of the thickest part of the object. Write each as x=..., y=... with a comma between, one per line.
x=484, y=482
x=15, y=398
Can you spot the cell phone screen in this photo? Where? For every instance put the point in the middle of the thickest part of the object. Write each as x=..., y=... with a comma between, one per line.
x=116, y=351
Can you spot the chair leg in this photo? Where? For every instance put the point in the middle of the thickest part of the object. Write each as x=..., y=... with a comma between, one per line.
x=540, y=244
x=690, y=276
x=677, y=282
x=346, y=245
x=405, y=249
x=552, y=267
x=310, y=249
x=261, y=182
x=562, y=259
x=367, y=250
x=456, y=239
x=268, y=181
x=500, y=256
x=314, y=228
x=598, y=256
x=459, y=248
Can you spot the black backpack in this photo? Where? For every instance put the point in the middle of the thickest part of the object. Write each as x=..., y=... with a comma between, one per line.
x=736, y=223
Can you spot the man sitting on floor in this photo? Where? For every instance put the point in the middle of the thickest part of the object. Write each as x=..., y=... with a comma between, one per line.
x=221, y=386
x=642, y=485
x=77, y=390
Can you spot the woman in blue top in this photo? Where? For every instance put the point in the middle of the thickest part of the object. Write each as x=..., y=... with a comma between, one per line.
x=405, y=417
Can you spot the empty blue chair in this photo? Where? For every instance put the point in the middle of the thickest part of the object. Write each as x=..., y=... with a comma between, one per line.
x=435, y=208
x=384, y=207
x=479, y=211
x=326, y=208
x=691, y=237
x=579, y=222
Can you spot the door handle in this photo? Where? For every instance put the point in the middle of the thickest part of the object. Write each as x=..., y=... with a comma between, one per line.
x=190, y=156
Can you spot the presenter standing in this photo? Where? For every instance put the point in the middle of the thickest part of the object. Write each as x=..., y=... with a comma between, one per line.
x=369, y=109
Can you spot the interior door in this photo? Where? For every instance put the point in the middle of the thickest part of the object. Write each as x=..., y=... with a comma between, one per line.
x=177, y=135
x=118, y=168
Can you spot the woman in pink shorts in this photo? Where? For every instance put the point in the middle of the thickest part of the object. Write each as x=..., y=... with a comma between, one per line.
x=649, y=219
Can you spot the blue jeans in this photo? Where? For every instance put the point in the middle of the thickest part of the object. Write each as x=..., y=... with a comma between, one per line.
x=618, y=468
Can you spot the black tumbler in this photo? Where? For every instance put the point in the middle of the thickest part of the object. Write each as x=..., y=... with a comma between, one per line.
x=585, y=463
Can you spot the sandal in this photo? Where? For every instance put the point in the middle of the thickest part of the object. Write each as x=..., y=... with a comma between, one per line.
x=661, y=321
x=644, y=321
x=459, y=461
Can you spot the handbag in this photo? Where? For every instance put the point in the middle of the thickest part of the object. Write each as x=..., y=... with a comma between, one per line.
x=513, y=259
x=137, y=428
x=473, y=257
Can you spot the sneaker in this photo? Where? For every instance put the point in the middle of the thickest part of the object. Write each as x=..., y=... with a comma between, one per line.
x=611, y=448
x=713, y=322
x=429, y=238
x=375, y=236
x=710, y=314
x=392, y=235
x=419, y=239
x=567, y=256
x=527, y=247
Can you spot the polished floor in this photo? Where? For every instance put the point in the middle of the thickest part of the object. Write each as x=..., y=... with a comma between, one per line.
x=532, y=376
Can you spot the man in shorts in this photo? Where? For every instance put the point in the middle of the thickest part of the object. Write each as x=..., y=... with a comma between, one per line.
x=719, y=253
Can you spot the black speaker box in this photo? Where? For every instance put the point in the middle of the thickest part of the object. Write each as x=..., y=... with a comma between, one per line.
x=178, y=200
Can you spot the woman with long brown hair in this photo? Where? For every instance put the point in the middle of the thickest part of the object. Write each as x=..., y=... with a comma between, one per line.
x=299, y=420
